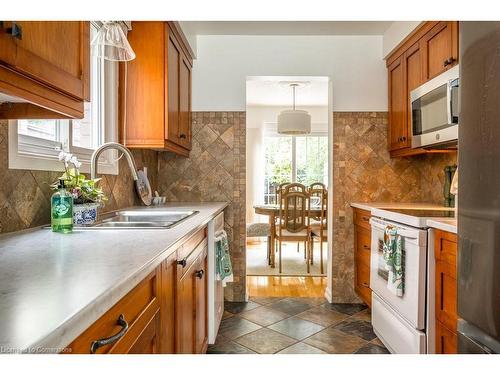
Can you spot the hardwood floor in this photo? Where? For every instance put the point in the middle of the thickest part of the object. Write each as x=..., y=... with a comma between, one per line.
x=286, y=286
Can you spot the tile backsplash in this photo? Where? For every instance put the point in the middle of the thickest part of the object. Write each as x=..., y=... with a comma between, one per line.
x=364, y=172
x=214, y=172
x=25, y=194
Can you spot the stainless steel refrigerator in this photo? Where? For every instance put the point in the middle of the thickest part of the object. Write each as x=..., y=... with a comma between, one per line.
x=479, y=189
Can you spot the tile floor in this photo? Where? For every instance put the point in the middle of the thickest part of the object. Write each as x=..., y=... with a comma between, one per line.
x=295, y=325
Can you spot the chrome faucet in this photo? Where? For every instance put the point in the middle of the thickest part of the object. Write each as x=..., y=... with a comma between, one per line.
x=110, y=145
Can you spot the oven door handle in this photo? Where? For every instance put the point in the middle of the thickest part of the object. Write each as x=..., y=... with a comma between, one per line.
x=402, y=232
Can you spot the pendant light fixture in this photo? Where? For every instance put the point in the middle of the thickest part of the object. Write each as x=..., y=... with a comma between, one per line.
x=111, y=43
x=294, y=121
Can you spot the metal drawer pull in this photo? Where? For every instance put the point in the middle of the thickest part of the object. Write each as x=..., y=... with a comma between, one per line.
x=199, y=274
x=182, y=263
x=449, y=61
x=366, y=285
x=366, y=247
x=365, y=218
x=111, y=339
x=182, y=136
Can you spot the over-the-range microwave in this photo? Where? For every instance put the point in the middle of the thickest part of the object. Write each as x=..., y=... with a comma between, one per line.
x=434, y=111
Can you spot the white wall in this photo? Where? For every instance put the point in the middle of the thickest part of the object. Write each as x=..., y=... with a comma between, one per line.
x=354, y=63
x=255, y=173
x=190, y=35
x=396, y=33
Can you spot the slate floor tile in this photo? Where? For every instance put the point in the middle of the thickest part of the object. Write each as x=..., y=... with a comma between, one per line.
x=346, y=308
x=229, y=347
x=322, y=316
x=264, y=315
x=301, y=348
x=290, y=306
x=311, y=301
x=265, y=341
x=297, y=328
x=372, y=349
x=238, y=307
x=334, y=341
x=365, y=315
x=359, y=328
x=235, y=327
x=226, y=314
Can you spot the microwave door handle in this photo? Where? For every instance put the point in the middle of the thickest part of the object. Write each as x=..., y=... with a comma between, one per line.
x=449, y=100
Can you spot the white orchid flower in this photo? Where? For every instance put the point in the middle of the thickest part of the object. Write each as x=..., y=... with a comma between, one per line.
x=61, y=156
x=75, y=162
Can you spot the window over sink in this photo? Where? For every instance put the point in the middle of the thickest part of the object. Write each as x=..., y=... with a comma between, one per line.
x=35, y=144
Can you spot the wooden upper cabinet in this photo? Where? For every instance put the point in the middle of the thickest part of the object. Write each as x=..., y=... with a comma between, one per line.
x=440, y=49
x=428, y=51
x=155, y=89
x=398, y=130
x=413, y=79
x=47, y=66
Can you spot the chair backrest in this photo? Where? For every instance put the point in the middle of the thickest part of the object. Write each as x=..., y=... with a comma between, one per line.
x=294, y=211
x=294, y=187
x=278, y=191
x=320, y=194
x=317, y=185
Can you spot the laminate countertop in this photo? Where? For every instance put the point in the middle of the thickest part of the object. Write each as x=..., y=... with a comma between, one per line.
x=53, y=286
x=446, y=224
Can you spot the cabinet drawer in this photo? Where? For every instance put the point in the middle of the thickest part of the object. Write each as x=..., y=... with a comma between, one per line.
x=362, y=218
x=191, y=244
x=445, y=247
x=362, y=285
x=446, y=340
x=138, y=307
x=185, y=262
x=446, y=295
x=362, y=245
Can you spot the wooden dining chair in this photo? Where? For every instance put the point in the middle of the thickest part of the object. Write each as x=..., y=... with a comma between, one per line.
x=278, y=191
x=293, y=222
x=288, y=187
x=319, y=224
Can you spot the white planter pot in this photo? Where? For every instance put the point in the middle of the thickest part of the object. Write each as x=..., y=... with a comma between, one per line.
x=85, y=214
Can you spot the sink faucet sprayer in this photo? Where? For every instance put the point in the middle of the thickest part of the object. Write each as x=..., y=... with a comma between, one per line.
x=142, y=186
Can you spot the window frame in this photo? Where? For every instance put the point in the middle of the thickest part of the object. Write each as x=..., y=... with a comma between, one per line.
x=293, y=151
x=33, y=153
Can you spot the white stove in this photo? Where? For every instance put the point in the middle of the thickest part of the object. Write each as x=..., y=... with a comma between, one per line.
x=415, y=217
x=402, y=322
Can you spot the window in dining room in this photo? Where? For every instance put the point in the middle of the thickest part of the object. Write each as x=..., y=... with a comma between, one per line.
x=294, y=159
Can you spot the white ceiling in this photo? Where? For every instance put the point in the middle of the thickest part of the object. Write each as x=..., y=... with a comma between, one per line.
x=286, y=27
x=273, y=91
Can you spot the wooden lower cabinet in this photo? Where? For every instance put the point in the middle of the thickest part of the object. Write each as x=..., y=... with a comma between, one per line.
x=362, y=252
x=192, y=330
x=446, y=340
x=445, y=254
x=165, y=313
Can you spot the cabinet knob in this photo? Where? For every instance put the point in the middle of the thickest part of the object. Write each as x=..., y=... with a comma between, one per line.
x=366, y=285
x=449, y=61
x=182, y=263
x=182, y=136
x=366, y=247
x=199, y=274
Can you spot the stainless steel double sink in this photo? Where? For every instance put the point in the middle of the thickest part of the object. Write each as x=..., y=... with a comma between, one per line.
x=140, y=218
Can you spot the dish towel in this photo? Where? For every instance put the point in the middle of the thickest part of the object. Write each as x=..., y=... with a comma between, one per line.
x=393, y=257
x=223, y=268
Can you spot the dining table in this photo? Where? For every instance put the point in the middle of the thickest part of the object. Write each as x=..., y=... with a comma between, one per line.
x=272, y=211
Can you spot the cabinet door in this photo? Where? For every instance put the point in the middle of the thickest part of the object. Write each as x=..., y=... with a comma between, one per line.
x=53, y=53
x=168, y=304
x=440, y=48
x=184, y=102
x=446, y=340
x=414, y=78
x=398, y=130
x=173, y=105
x=446, y=295
x=186, y=313
x=201, y=304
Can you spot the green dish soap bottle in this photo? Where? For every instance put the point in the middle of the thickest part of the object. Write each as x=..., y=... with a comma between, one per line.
x=62, y=210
